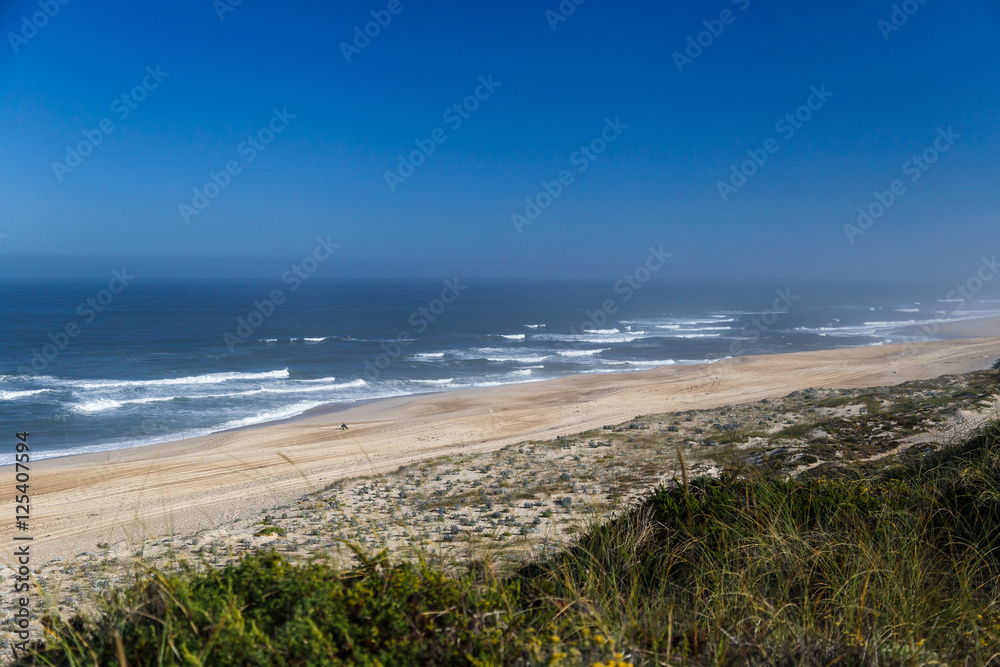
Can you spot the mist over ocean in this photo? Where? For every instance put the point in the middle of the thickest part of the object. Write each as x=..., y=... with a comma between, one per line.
x=156, y=365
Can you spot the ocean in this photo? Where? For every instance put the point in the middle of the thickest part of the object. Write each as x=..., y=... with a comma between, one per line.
x=90, y=366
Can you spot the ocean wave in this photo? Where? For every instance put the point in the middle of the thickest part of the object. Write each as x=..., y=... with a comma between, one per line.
x=598, y=339
x=209, y=378
x=674, y=362
x=104, y=404
x=435, y=382
x=877, y=329
x=315, y=340
x=680, y=327
x=501, y=354
x=16, y=395
x=601, y=332
x=304, y=390
x=685, y=321
x=581, y=353
x=512, y=336
x=519, y=359
x=286, y=412
x=425, y=356
x=652, y=362
x=696, y=335
x=535, y=326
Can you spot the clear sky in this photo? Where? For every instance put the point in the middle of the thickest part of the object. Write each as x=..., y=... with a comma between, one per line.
x=552, y=87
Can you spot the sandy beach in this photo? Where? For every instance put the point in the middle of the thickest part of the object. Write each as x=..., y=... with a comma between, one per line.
x=135, y=494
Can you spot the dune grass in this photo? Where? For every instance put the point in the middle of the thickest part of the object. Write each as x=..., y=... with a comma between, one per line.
x=897, y=568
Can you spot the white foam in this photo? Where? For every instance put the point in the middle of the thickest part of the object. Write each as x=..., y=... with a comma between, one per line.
x=16, y=395
x=673, y=362
x=602, y=332
x=513, y=336
x=210, y=378
x=604, y=339
x=696, y=335
x=301, y=390
x=436, y=382
x=273, y=415
x=581, y=353
x=876, y=329
x=519, y=360
x=105, y=404
x=315, y=340
x=678, y=327
x=534, y=326
x=651, y=362
x=426, y=356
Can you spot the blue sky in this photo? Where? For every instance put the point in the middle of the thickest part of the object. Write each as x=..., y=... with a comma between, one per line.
x=343, y=124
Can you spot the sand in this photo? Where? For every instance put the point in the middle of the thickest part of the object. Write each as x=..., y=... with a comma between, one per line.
x=132, y=495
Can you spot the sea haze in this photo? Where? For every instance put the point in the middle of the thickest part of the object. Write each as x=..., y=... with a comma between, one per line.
x=154, y=365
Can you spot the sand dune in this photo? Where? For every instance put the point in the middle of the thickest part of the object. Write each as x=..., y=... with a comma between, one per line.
x=199, y=483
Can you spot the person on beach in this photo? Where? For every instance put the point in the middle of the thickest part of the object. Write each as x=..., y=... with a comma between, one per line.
x=343, y=427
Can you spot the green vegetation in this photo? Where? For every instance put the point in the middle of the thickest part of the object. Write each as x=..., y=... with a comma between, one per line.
x=899, y=567
x=271, y=530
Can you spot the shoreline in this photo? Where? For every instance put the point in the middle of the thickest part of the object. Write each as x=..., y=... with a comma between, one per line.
x=947, y=331
x=181, y=486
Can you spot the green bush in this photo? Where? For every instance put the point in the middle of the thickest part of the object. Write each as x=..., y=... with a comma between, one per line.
x=267, y=611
